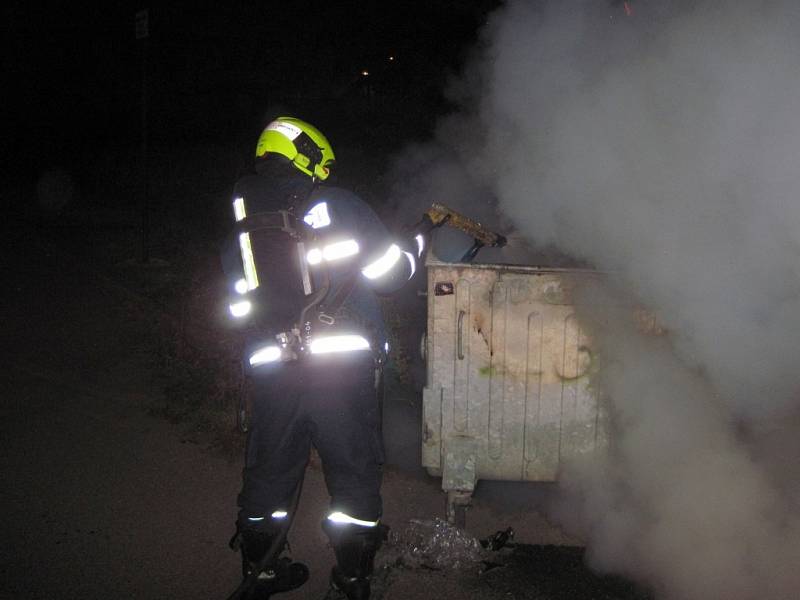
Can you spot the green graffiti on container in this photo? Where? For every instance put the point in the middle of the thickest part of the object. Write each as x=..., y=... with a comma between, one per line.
x=487, y=371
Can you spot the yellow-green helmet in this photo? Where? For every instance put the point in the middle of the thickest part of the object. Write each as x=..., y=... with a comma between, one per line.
x=301, y=143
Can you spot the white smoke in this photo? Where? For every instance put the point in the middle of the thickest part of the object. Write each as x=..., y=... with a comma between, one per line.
x=665, y=148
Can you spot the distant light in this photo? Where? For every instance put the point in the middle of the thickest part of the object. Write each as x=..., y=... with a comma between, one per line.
x=365, y=73
x=391, y=58
x=241, y=286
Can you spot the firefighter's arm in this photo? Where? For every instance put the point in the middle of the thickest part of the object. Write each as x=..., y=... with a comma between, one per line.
x=390, y=266
x=389, y=261
x=384, y=261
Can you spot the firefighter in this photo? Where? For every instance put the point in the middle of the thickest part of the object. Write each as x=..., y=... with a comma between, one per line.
x=306, y=261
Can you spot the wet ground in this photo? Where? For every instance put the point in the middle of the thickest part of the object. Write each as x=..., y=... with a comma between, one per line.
x=102, y=500
x=519, y=571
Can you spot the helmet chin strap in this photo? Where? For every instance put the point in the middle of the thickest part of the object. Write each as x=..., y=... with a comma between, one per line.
x=306, y=146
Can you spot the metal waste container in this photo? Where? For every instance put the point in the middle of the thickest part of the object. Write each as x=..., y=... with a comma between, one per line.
x=507, y=395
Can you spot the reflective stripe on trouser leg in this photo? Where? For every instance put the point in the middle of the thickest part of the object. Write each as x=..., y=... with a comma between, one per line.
x=340, y=518
x=277, y=517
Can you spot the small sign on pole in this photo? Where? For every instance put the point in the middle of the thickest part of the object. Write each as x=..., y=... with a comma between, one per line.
x=141, y=25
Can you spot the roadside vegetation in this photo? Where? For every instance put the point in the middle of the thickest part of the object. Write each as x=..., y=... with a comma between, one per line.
x=173, y=277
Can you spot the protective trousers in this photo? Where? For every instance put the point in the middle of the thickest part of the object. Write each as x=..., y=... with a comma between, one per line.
x=329, y=401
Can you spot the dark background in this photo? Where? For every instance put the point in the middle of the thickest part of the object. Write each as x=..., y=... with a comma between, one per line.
x=215, y=72
x=114, y=300
x=143, y=196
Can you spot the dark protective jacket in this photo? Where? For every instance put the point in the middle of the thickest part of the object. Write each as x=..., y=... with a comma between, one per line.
x=330, y=218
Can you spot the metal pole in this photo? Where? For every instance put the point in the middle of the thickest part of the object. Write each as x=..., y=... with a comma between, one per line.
x=145, y=203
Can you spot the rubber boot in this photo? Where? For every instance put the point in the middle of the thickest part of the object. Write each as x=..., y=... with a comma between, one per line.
x=352, y=588
x=355, y=548
x=278, y=575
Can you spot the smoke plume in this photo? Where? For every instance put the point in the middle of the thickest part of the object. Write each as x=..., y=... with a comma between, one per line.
x=664, y=148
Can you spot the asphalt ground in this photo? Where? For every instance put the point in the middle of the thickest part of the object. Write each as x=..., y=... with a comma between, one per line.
x=102, y=500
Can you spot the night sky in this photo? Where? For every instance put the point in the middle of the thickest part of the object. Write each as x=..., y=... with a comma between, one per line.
x=213, y=71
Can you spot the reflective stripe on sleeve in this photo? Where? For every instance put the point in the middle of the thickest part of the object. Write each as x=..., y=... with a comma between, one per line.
x=412, y=263
x=384, y=264
x=333, y=252
x=338, y=343
x=339, y=250
x=264, y=355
